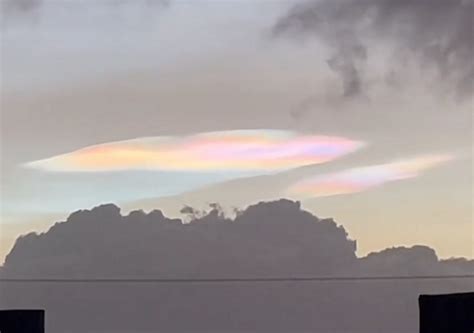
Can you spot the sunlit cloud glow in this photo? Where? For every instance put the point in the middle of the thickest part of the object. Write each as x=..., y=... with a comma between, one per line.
x=364, y=178
x=240, y=150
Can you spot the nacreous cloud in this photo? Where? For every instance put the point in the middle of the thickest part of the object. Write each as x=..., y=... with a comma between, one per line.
x=239, y=150
x=364, y=178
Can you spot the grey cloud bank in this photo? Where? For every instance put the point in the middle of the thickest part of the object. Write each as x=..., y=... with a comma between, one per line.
x=269, y=239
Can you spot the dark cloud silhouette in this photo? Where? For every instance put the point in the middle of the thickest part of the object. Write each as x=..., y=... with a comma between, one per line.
x=275, y=231
x=269, y=239
x=438, y=32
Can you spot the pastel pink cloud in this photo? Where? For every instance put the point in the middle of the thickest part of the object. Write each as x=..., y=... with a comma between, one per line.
x=364, y=178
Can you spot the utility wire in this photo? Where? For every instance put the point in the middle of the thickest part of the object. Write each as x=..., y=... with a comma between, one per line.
x=239, y=280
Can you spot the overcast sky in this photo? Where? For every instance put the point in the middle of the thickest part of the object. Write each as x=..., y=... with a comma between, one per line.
x=395, y=106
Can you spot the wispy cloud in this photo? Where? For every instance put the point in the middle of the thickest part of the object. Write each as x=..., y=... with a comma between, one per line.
x=239, y=150
x=364, y=178
x=437, y=33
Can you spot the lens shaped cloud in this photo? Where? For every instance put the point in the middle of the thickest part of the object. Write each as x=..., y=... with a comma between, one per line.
x=364, y=178
x=239, y=150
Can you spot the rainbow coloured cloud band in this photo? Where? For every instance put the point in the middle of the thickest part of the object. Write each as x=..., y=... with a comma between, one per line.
x=363, y=178
x=241, y=150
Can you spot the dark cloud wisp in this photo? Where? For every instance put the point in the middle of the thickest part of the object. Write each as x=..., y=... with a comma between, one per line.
x=20, y=10
x=439, y=33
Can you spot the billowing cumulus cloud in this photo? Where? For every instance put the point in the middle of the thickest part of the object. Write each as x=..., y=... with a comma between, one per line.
x=239, y=150
x=269, y=240
x=364, y=178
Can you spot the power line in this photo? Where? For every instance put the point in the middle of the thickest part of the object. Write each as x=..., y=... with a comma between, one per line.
x=239, y=280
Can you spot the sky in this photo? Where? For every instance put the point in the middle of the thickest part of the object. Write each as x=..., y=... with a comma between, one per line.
x=162, y=104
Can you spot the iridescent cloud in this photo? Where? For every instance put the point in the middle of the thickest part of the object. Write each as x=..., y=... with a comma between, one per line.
x=363, y=178
x=240, y=150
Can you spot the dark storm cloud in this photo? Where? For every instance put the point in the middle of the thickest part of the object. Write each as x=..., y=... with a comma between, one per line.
x=262, y=228
x=269, y=239
x=438, y=32
x=278, y=231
